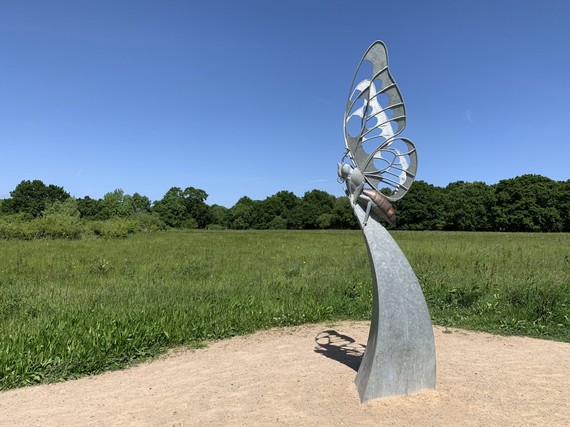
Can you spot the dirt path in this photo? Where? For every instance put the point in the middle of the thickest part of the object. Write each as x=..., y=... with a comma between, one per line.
x=281, y=377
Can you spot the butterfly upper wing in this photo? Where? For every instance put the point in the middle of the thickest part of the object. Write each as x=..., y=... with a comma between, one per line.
x=375, y=115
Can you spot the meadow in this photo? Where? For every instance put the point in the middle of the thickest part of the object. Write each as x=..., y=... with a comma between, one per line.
x=74, y=307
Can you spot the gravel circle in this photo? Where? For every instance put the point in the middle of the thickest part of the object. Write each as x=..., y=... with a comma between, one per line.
x=305, y=376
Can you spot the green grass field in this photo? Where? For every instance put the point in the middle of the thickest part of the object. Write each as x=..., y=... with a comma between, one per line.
x=69, y=308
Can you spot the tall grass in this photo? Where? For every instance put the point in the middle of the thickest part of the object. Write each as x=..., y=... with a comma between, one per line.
x=69, y=308
x=513, y=283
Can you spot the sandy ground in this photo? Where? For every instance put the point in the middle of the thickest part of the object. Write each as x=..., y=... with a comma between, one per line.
x=305, y=376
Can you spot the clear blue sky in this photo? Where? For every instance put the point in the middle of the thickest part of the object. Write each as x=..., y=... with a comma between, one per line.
x=247, y=97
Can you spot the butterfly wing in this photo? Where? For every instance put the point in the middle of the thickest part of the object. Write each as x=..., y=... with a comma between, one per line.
x=375, y=115
x=392, y=166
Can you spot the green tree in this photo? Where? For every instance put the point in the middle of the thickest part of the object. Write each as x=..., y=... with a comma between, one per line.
x=195, y=202
x=171, y=208
x=563, y=203
x=241, y=216
x=88, y=207
x=527, y=203
x=68, y=208
x=313, y=204
x=275, y=211
x=325, y=221
x=467, y=206
x=343, y=215
x=32, y=197
x=140, y=204
x=219, y=215
x=116, y=204
x=286, y=199
x=278, y=223
x=184, y=208
x=421, y=209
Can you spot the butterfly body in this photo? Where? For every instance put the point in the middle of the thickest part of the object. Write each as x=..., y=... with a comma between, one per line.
x=372, y=201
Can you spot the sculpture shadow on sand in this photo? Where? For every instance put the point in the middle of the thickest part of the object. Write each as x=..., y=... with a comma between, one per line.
x=339, y=347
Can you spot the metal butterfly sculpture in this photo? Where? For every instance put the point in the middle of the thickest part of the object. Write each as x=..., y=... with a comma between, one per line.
x=382, y=165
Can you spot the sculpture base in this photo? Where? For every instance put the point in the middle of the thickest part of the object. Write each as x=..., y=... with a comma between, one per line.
x=400, y=354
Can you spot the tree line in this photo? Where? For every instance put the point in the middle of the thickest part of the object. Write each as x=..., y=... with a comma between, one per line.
x=531, y=203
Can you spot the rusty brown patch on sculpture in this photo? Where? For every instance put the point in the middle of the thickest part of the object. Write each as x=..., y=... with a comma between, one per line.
x=386, y=208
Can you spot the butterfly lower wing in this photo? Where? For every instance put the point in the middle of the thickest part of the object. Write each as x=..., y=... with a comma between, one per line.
x=393, y=167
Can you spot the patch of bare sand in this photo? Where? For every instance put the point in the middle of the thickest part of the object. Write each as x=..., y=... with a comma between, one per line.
x=283, y=377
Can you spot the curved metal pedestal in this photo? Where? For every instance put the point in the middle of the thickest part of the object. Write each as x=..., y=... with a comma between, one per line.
x=400, y=354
